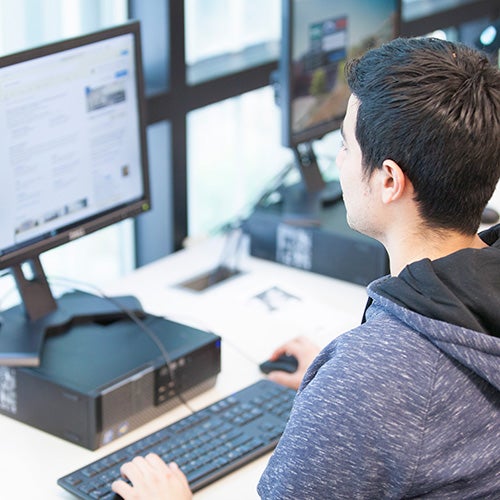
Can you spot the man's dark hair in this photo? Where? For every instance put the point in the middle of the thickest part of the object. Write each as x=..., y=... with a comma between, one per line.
x=434, y=108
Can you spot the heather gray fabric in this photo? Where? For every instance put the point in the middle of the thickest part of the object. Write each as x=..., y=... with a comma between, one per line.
x=403, y=406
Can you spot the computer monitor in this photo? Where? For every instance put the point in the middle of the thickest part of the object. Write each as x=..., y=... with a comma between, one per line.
x=318, y=36
x=73, y=160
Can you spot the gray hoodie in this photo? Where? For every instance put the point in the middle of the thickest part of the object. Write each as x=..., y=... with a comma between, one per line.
x=406, y=405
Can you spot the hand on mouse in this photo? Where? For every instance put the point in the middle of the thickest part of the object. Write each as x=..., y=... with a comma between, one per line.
x=304, y=350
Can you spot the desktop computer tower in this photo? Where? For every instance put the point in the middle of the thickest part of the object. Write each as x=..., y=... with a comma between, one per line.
x=96, y=382
x=319, y=241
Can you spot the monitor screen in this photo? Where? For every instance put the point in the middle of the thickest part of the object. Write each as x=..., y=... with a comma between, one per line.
x=72, y=151
x=318, y=37
x=73, y=158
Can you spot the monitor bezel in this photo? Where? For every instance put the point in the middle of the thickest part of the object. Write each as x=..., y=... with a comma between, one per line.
x=34, y=247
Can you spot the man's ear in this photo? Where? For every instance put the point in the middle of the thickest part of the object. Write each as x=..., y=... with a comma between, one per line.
x=393, y=181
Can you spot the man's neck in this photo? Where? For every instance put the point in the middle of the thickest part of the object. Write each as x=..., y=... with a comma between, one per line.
x=429, y=244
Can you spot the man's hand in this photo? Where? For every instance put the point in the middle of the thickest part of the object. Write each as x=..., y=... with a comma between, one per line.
x=305, y=351
x=152, y=479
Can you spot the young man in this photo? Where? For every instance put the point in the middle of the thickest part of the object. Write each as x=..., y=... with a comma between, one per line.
x=408, y=403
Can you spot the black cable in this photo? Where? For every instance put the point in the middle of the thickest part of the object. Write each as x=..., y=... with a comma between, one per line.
x=191, y=320
x=138, y=321
x=235, y=226
x=223, y=267
x=178, y=318
x=273, y=186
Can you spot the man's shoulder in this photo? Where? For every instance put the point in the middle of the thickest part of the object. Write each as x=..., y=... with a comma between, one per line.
x=380, y=353
x=383, y=333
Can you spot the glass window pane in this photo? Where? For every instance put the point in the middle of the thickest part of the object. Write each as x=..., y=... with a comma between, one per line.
x=97, y=258
x=223, y=36
x=235, y=156
x=467, y=33
x=28, y=23
x=234, y=153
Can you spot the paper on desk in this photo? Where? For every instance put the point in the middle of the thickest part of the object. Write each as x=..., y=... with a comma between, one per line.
x=274, y=315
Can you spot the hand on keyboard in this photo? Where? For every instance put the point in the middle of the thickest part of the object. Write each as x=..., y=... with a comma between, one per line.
x=206, y=445
x=152, y=479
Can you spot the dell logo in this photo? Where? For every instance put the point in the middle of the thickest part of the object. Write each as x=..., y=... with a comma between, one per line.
x=77, y=233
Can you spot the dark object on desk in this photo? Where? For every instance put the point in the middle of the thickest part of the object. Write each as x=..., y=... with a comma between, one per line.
x=22, y=337
x=284, y=363
x=210, y=278
x=97, y=382
x=206, y=445
x=489, y=216
x=320, y=242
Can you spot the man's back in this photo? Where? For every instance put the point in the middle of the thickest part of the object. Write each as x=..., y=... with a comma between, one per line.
x=402, y=406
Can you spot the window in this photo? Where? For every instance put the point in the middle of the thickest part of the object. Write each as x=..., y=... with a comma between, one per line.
x=233, y=154
x=207, y=66
x=225, y=36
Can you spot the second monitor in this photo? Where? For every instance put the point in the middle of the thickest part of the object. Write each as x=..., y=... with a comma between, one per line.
x=318, y=37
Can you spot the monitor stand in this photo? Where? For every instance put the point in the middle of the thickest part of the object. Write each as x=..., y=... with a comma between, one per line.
x=305, y=201
x=24, y=327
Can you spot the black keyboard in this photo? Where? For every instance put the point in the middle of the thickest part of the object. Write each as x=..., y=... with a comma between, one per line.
x=206, y=445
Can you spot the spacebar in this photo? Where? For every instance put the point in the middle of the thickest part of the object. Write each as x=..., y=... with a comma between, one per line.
x=232, y=456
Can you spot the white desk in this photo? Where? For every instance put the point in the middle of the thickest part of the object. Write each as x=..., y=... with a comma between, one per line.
x=31, y=461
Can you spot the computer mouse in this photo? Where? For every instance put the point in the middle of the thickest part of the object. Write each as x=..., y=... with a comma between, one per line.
x=285, y=363
x=489, y=216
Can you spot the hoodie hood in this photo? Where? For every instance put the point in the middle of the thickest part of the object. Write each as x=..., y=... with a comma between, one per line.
x=454, y=302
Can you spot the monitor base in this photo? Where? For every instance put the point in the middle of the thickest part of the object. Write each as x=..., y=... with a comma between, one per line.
x=21, y=339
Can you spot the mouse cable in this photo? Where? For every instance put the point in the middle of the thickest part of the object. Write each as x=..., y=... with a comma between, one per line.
x=75, y=285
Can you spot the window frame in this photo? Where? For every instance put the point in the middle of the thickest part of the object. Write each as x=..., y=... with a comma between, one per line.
x=175, y=102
